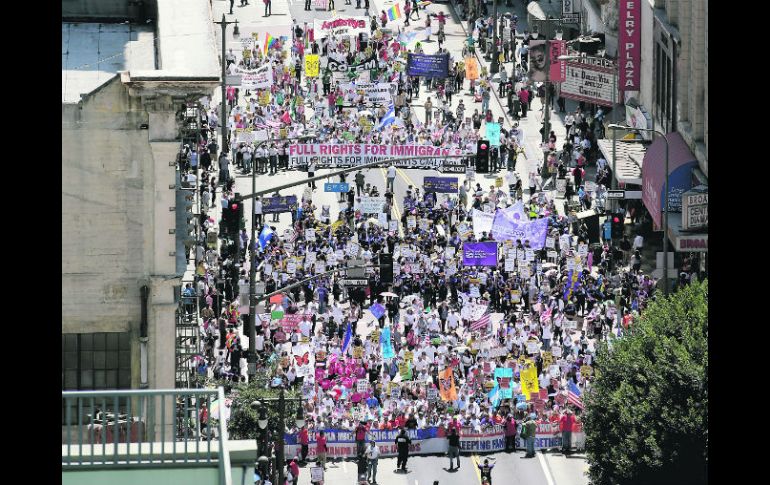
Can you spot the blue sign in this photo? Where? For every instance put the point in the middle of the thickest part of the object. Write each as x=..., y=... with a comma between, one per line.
x=493, y=134
x=336, y=187
x=440, y=184
x=275, y=205
x=435, y=65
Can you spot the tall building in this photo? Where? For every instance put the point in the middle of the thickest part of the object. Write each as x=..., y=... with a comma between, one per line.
x=128, y=68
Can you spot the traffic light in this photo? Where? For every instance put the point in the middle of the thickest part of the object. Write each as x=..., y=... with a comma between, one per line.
x=616, y=226
x=231, y=217
x=482, y=156
x=386, y=268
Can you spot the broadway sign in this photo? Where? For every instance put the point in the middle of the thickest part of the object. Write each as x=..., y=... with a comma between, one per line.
x=351, y=155
x=594, y=84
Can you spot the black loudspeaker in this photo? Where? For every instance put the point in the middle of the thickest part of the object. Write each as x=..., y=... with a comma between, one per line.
x=592, y=224
x=386, y=268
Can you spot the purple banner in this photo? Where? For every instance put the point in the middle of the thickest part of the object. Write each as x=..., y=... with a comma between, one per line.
x=480, y=254
x=629, y=43
x=507, y=225
x=274, y=205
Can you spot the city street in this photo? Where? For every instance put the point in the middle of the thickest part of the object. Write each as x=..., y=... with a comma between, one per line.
x=513, y=469
x=550, y=468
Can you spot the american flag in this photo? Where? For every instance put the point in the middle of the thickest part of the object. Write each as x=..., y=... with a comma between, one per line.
x=480, y=324
x=573, y=395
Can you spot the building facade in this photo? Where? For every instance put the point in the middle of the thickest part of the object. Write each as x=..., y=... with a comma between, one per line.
x=121, y=105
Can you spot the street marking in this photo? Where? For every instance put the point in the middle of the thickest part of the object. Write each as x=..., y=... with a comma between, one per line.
x=406, y=177
x=475, y=460
x=546, y=468
x=345, y=468
x=395, y=204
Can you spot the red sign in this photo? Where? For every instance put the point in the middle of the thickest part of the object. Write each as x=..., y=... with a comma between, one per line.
x=558, y=69
x=276, y=299
x=629, y=43
x=291, y=321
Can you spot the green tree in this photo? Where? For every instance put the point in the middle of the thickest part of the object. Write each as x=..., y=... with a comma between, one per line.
x=646, y=417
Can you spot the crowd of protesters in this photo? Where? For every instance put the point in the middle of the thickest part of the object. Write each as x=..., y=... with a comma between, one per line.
x=551, y=310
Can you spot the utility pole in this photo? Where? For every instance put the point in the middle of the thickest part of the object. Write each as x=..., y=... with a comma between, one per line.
x=495, y=67
x=224, y=23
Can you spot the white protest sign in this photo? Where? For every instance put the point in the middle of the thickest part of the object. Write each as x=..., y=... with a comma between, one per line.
x=552, y=254
x=432, y=394
x=550, y=242
x=530, y=254
x=291, y=267
x=371, y=205
x=393, y=226
x=532, y=347
x=449, y=252
x=411, y=222
x=510, y=264
x=353, y=249
x=310, y=234
x=362, y=385
x=524, y=272
x=382, y=219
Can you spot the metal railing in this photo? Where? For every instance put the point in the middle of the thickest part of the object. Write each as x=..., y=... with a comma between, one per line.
x=120, y=429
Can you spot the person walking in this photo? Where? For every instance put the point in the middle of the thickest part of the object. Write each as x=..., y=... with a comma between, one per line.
x=268, y=7
x=485, y=471
x=402, y=441
x=360, y=437
x=566, y=422
x=359, y=182
x=372, y=455
x=454, y=448
x=528, y=433
x=510, y=434
x=320, y=449
x=391, y=178
x=304, y=441
x=311, y=173
x=428, y=111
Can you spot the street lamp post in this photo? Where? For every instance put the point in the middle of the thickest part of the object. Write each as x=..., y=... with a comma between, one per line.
x=263, y=423
x=614, y=127
x=495, y=67
x=224, y=23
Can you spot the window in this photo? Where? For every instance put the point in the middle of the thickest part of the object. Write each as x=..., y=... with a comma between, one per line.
x=94, y=361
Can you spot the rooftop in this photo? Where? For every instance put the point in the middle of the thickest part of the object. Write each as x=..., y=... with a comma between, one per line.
x=93, y=53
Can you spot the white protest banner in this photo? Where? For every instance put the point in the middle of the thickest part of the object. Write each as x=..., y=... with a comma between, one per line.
x=482, y=222
x=371, y=205
x=379, y=94
x=340, y=26
x=355, y=154
x=260, y=78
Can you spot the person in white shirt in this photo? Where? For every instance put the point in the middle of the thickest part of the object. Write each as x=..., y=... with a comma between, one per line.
x=372, y=455
x=391, y=178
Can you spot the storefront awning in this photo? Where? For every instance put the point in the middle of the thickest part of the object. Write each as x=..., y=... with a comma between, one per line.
x=686, y=242
x=681, y=162
x=630, y=156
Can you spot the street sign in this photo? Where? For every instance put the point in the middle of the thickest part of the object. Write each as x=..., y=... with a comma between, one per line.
x=616, y=194
x=336, y=187
x=355, y=282
x=570, y=18
x=451, y=167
